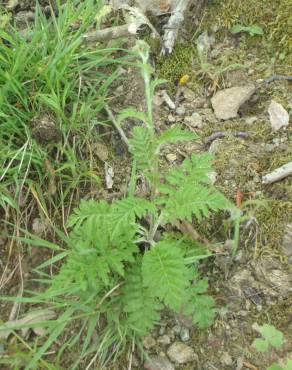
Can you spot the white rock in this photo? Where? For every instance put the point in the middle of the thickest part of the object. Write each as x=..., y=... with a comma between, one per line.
x=184, y=334
x=279, y=117
x=227, y=102
x=180, y=353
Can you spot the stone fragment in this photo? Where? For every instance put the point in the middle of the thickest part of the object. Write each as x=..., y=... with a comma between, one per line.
x=184, y=334
x=279, y=117
x=149, y=342
x=171, y=157
x=227, y=102
x=226, y=359
x=158, y=363
x=101, y=151
x=287, y=241
x=177, y=329
x=180, y=353
x=163, y=339
x=195, y=120
x=180, y=111
x=189, y=94
x=251, y=120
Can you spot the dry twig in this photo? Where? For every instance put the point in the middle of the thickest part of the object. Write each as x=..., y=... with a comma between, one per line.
x=278, y=174
x=173, y=25
x=117, y=125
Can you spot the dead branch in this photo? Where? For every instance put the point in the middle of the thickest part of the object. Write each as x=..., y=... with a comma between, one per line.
x=278, y=174
x=173, y=25
x=106, y=34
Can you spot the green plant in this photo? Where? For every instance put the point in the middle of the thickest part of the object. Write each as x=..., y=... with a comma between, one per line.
x=251, y=30
x=270, y=337
x=48, y=75
x=117, y=274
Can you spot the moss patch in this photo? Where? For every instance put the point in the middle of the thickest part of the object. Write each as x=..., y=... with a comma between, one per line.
x=274, y=16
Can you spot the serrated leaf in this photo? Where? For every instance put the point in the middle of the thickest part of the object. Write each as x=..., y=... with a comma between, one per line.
x=204, y=311
x=273, y=336
x=141, y=307
x=200, y=306
x=88, y=210
x=190, y=200
x=277, y=367
x=175, y=134
x=165, y=273
x=288, y=365
x=260, y=345
x=142, y=148
x=132, y=113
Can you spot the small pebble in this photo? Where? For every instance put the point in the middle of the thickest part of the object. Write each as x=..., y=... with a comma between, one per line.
x=171, y=157
x=251, y=120
x=180, y=353
x=149, y=342
x=213, y=176
x=184, y=334
x=171, y=118
x=158, y=363
x=164, y=340
x=226, y=359
x=177, y=329
x=181, y=111
x=162, y=330
x=239, y=363
x=195, y=120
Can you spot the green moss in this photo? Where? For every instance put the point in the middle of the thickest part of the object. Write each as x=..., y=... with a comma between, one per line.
x=274, y=16
x=272, y=221
x=177, y=64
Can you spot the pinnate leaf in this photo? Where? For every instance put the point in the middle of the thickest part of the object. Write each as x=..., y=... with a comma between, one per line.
x=165, y=273
x=141, y=307
x=175, y=134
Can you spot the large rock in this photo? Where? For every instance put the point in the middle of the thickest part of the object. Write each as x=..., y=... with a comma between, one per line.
x=226, y=103
x=180, y=353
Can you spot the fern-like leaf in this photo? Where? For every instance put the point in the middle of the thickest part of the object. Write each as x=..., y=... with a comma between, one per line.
x=193, y=170
x=90, y=211
x=132, y=207
x=194, y=200
x=141, y=307
x=126, y=211
x=200, y=306
x=186, y=192
x=165, y=273
x=175, y=134
x=142, y=148
x=132, y=113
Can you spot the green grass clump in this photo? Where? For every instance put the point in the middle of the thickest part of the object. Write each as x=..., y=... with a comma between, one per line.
x=51, y=91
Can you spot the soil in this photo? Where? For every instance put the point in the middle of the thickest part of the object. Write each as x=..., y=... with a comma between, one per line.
x=255, y=286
